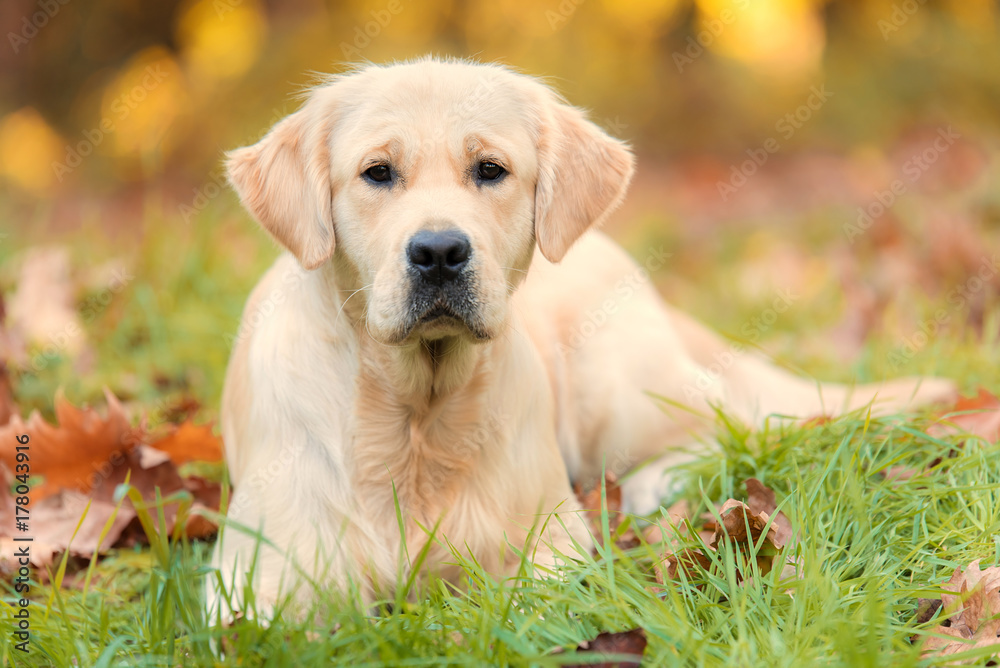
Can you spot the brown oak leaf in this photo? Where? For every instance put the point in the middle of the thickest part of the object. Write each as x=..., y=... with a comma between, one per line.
x=626, y=647
x=78, y=451
x=972, y=603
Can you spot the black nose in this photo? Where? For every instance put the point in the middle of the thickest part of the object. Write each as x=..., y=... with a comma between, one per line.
x=439, y=256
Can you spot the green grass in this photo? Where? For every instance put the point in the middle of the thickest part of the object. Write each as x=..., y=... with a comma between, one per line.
x=868, y=547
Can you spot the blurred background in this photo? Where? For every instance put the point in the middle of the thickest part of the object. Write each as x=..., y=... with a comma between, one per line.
x=840, y=155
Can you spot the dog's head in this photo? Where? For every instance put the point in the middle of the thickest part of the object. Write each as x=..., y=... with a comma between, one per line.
x=429, y=184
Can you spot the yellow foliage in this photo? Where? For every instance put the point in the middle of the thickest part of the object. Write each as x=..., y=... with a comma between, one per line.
x=141, y=103
x=220, y=39
x=783, y=37
x=978, y=15
x=646, y=16
x=28, y=149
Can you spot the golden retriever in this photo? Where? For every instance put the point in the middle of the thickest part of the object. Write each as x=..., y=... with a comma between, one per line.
x=445, y=338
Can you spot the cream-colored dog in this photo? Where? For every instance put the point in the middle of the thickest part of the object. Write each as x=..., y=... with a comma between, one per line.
x=446, y=340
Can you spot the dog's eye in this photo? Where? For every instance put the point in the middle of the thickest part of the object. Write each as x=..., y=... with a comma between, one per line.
x=490, y=171
x=378, y=173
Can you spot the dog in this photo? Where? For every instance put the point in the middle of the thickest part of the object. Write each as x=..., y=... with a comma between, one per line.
x=421, y=372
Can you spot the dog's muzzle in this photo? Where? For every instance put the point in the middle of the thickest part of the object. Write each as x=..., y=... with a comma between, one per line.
x=442, y=284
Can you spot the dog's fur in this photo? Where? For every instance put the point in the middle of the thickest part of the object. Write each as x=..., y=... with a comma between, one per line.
x=345, y=400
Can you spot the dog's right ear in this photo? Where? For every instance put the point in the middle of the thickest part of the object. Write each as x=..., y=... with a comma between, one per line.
x=284, y=181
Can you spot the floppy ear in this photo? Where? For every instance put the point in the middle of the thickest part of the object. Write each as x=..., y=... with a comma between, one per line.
x=284, y=181
x=582, y=176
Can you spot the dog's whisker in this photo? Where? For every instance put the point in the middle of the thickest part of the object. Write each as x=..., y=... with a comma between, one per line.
x=372, y=336
x=344, y=304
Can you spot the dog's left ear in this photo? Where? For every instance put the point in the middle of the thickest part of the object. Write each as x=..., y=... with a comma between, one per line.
x=284, y=181
x=582, y=177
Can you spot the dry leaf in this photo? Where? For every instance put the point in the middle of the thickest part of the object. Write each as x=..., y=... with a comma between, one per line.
x=692, y=561
x=983, y=418
x=606, y=645
x=53, y=518
x=84, y=459
x=761, y=499
x=736, y=517
x=591, y=504
x=189, y=442
x=743, y=528
x=973, y=608
x=51, y=525
x=42, y=309
x=77, y=453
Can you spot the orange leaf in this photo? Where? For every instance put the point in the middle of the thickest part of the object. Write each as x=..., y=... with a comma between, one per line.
x=76, y=454
x=189, y=442
x=980, y=417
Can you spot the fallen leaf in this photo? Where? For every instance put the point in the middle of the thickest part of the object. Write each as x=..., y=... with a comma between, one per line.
x=77, y=453
x=926, y=609
x=761, y=499
x=42, y=308
x=83, y=460
x=979, y=416
x=743, y=529
x=692, y=562
x=736, y=518
x=623, y=646
x=590, y=501
x=51, y=525
x=162, y=476
x=971, y=601
x=54, y=518
x=189, y=442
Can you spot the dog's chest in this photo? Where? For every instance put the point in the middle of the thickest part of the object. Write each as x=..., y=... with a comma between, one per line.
x=425, y=463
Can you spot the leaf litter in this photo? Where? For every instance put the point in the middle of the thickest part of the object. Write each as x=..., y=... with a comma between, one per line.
x=76, y=466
